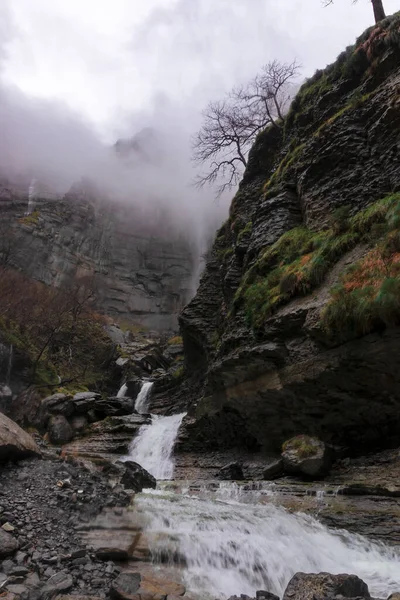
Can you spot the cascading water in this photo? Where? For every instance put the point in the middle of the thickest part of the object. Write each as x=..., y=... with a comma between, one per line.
x=122, y=391
x=31, y=197
x=153, y=447
x=232, y=547
x=143, y=398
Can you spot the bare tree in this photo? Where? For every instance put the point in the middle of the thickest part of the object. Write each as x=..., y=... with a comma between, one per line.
x=377, y=5
x=230, y=126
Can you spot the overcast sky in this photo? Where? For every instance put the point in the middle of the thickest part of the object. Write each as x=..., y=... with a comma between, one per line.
x=111, y=59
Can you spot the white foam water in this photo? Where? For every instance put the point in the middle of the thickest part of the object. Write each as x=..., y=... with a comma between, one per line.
x=142, y=402
x=238, y=548
x=153, y=446
x=122, y=391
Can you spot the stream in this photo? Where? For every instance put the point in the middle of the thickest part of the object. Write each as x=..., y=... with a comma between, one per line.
x=232, y=539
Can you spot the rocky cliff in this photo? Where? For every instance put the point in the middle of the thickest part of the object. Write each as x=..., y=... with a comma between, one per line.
x=141, y=264
x=294, y=326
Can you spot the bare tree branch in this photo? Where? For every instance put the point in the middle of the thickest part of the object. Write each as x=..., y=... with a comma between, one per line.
x=230, y=126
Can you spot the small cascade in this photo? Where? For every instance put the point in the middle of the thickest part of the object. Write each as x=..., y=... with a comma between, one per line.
x=153, y=447
x=142, y=403
x=9, y=366
x=122, y=391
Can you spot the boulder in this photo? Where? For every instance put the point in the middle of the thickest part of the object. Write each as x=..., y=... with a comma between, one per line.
x=114, y=407
x=231, y=472
x=324, y=586
x=8, y=544
x=59, y=430
x=125, y=586
x=273, y=470
x=15, y=443
x=57, y=404
x=60, y=582
x=307, y=456
x=131, y=475
x=85, y=396
x=78, y=423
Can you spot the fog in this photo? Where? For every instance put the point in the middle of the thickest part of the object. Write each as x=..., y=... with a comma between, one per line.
x=75, y=77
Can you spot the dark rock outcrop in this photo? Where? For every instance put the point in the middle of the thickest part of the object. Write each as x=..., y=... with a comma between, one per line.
x=268, y=376
x=15, y=443
x=231, y=472
x=131, y=475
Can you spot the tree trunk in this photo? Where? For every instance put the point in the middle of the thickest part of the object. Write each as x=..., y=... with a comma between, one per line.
x=379, y=11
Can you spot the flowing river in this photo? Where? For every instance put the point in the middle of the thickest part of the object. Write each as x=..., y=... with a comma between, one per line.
x=232, y=541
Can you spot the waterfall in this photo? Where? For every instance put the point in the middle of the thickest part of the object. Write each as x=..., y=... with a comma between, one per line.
x=153, y=447
x=231, y=547
x=31, y=197
x=122, y=391
x=143, y=398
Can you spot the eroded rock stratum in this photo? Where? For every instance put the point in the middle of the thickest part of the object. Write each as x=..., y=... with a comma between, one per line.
x=294, y=327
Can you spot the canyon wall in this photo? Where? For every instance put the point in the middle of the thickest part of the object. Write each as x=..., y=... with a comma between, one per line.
x=294, y=328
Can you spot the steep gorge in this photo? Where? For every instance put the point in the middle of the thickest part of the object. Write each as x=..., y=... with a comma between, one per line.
x=294, y=325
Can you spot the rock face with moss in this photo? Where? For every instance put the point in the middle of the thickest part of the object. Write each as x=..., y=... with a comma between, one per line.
x=142, y=264
x=294, y=329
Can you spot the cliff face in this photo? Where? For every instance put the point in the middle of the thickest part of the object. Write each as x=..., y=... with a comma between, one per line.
x=294, y=326
x=141, y=264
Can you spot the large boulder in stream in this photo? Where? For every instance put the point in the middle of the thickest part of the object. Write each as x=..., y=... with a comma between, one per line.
x=131, y=475
x=307, y=456
x=231, y=472
x=324, y=586
x=15, y=443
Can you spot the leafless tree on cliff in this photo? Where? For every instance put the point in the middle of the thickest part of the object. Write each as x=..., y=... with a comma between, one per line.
x=231, y=125
x=377, y=5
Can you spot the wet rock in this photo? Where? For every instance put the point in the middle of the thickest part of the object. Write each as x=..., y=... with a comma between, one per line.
x=160, y=585
x=305, y=455
x=114, y=407
x=15, y=443
x=136, y=477
x=59, y=430
x=273, y=470
x=231, y=472
x=78, y=423
x=304, y=586
x=395, y=596
x=57, y=404
x=263, y=595
x=5, y=398
x=125, y=586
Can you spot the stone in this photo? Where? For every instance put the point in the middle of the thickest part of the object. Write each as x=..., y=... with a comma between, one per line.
x=273, y=470
x=57, y=404
x=159, y=584
x=59, y=430
x=231, y=472
x=125, y=586
x=114, y=406
x=85, y=396
x=307, y=456
x=308, y=586
x=7, y=566
x=136, y=477
x=395, y=596
x=8, y=544
x=60, y=582
x=8, y=527
x=263, y=595
x=15, y=443
x=78, y=423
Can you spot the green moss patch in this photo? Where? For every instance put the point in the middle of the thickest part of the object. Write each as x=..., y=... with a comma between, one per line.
x=299, y=261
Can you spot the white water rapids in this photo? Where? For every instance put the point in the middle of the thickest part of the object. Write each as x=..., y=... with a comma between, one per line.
x=142, y=402
x=233, y=548
x=235, y=542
